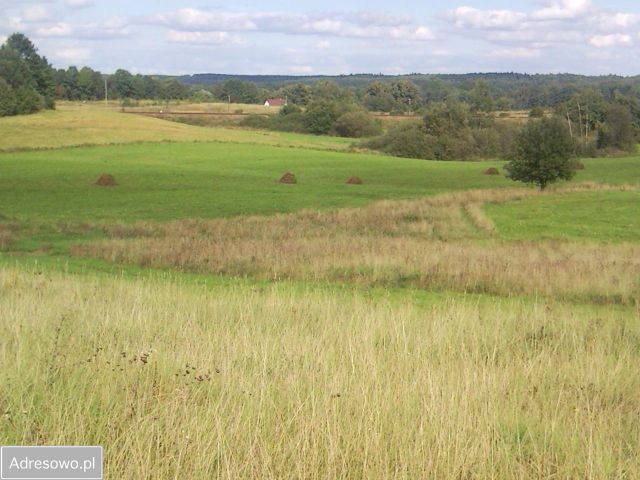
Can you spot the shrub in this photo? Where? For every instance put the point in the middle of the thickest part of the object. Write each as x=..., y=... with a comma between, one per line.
x=255, y=121
x=320, y=117
x=292, y=122
x=356, y=125
x=406, y=139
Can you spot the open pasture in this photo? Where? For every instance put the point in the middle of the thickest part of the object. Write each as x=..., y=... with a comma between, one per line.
x=433, y=322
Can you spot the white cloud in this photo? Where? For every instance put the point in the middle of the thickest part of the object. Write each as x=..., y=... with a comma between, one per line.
x=113, y=27
x=366, y=25
x=323, y=45
x=563, y=10
x=72, y=54
x=556, y=22
x=35, y=13
x=424, y=33
x=601, y=41
x=468, y=17
x=79, y=3
x=201, y=38
x=60, y=29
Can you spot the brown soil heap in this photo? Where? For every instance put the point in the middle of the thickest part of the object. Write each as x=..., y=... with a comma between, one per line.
x=288, y=178
x=492, y=171
x=579, y=166
x=354, y=181
x=106, y=180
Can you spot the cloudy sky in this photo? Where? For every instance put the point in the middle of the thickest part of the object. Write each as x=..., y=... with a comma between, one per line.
x=333, y=37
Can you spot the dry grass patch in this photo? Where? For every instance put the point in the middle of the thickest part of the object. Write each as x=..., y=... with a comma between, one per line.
x=430, y=243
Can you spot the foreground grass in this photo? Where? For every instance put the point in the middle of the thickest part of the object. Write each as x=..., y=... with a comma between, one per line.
x=94, y=126
x=245, y=382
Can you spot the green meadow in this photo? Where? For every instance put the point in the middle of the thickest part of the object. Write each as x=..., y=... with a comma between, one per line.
x=202, y=320
x=209, y=180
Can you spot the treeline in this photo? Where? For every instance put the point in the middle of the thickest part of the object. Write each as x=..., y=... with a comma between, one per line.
x=88, y=84
x=506, y=91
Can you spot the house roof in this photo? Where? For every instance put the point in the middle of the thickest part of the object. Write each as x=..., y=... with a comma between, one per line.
x=276, y=102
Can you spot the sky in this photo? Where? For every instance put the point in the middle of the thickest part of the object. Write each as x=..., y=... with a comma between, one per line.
x=332, y=37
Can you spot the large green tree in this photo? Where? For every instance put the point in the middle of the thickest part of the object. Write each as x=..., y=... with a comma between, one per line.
x=40, y=72
x=542, y=153
x=29, y=76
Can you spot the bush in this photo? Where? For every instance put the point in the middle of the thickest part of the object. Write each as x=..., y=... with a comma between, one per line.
x=255, y=121
x=291, y=122
x=357, y=125
x=320, y=117
x=406, y=139
x=289, y=109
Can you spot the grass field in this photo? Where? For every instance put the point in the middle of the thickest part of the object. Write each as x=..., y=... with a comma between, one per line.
x=167, y=181
x=201, y=320
x=610, y=216
x=95, y=126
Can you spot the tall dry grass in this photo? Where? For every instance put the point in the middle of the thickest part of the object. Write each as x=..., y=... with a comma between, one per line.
x=438, y=243
x=179, y=381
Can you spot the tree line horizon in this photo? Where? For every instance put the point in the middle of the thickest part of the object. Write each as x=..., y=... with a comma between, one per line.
x=459, y=114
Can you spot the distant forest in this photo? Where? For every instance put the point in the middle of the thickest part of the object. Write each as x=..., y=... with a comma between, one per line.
x=507, y=91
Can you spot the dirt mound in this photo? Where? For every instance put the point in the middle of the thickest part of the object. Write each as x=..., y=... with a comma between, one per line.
x=354, y=181
x=492, y=171
x=106, y=180
x=579, y=166
x=288, y=178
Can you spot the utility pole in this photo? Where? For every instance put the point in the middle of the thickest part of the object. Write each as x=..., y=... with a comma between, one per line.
x=229, y=104
x=106, y=93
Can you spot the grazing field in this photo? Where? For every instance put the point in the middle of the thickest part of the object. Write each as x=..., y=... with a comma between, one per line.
x=194, y=180
x=202, y=320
